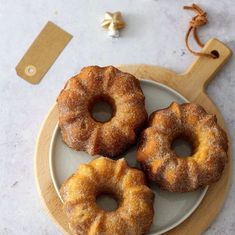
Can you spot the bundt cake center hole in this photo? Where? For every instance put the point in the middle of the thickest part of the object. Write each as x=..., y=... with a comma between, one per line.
x=102, y=109
x=182, y=147
x=106, y=202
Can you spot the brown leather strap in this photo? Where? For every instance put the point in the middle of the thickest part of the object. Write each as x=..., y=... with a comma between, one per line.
x=199, y=20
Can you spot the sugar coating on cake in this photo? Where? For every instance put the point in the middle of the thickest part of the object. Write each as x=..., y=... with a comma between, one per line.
x=161, y=163
x=122, y=91
x=134, y=214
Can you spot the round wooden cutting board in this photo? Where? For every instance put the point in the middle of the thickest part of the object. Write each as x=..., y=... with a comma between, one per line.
x=191, y=85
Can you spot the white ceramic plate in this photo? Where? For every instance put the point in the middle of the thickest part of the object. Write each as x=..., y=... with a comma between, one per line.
x=171, y=209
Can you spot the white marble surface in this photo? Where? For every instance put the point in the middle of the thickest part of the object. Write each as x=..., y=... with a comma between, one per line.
x=154, y=35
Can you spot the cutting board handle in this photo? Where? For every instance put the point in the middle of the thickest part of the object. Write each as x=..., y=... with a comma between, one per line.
x=204, y=68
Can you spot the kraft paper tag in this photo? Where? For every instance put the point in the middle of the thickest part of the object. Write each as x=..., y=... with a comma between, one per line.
x=42, y=53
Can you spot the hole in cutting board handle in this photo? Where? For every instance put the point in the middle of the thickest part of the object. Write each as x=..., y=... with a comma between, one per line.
x=215, y=53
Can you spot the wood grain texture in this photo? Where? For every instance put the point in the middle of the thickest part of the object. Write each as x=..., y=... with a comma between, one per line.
x=191, y=84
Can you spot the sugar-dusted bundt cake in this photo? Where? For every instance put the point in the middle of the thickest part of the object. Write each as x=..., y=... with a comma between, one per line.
x=127, y=185
x=122, y=91
x=161, y=163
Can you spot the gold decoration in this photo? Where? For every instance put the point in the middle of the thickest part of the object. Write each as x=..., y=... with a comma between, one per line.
x=113, y=22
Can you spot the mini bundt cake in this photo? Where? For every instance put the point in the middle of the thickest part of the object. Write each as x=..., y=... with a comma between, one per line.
x=122, y=91
x=161, y=163
x=127, y=185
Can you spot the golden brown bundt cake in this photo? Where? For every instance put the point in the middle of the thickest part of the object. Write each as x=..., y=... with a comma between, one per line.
x=161, y=163
x=127, y=185
x=122, y=91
